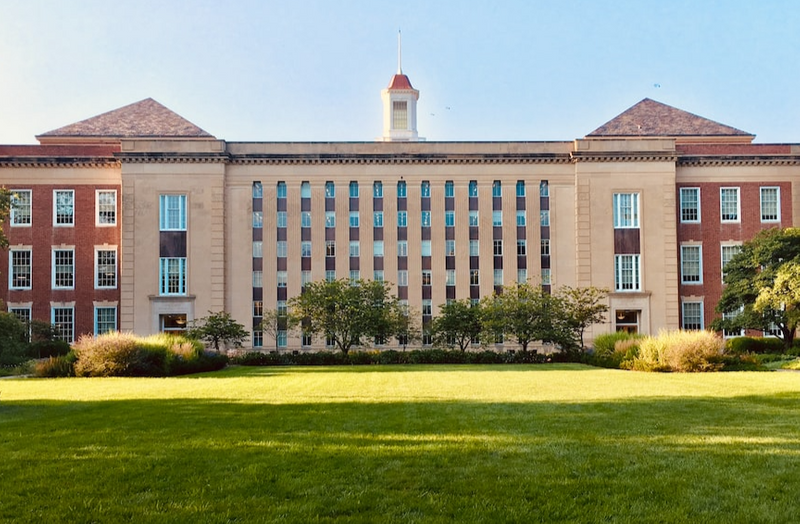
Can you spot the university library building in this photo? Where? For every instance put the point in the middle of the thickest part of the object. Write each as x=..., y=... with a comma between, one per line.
x=138, y=220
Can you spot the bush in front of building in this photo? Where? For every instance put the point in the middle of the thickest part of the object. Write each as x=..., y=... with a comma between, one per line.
x=56, y=366
x=612, y=349
x=13, y=341
x=759, y=345
x=678, y=350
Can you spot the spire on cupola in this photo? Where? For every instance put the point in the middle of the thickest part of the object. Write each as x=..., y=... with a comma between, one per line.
x=400, y=105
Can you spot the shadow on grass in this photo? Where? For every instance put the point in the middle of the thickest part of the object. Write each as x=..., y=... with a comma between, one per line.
x=188, y=460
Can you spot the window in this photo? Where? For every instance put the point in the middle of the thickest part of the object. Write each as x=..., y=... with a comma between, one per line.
x=520, y=188
x=690, y=204
x=258, y=279
x=449, y=189
x=497, y=218
x=522, y=247
x=770, y=204
x=258, y=219
x=377, y=275
x=426, y=277
x=425, y=189
x=280, y=221
x=401, y=189
x=280, y=308
x=474, y=277
x=544, y=188
x=450, y=248
x=377, y=189
x=521, y=219
x=544, y=217
x=354, y=219
x=23, y=314
x=402, y=278
x=474, y=248
x=691, y=265
x=497, y=190
x=305, y=219
x=281, y=190
x=105, y=268
x=258, y=249
x=426, y=219
x=377, y=219
x=545, y=247
x=105, y=320
x=546, y=281
x=626, y=273
x=402, y=218
x=63, y=208
x=427, y=307
x=330, y=248
x=729, y=204
x=473, y=188
x=498, y=277
x=473, y=218
x=497, y=245
x=692, y=313
x=330, y=190
x=63, y=320
x=20, y=264
x=402, y=248
x=305, y=190
x=355, y=248
x=626, y=210
x=172, y=276
x=730, y=333
x=258, y=308
x=330, y=275
x=353, y=189
x=305, y=278
x=281, y=249
x=281, y=278
x=280, y=338
x=63, y=268
x=355, y=275
x=106, y=205
x=330, y=219
x=258, y=338
x=450, y=277
x=20, y=207
x=305, y=249
x=399, y=114
x=449, y=218
x=377, y=248
x=258, y=190
x=306, y=340
x=173, y=213
x=425, y=248
x=727, y=253
x=522, y=276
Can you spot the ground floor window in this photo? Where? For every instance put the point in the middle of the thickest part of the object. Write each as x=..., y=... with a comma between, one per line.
x=627, y=320
x=63, y=318
x=105, y=320
x=172, y=323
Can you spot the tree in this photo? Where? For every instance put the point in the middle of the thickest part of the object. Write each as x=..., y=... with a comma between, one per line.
x=458, y=323
x=5, y=210
x=584, y=306
x=349, y=313
x=527, y=313
x=218, y=328
x=765, y=267
x=274, y=321
x=13, y=340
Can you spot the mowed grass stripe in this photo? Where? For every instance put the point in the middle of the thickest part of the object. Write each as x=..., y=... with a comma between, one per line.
x=560, y=443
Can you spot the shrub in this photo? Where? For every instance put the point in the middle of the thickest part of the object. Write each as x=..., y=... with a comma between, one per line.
x=754, y=345
x=47, y=348
x=362, y=358
x=257, y=358
x=679, y=350
x=391, y=356
x=615, y=350
x=57, y=366
x=13, y=340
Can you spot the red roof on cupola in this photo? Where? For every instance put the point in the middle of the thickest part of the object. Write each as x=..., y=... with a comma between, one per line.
x=400, y=81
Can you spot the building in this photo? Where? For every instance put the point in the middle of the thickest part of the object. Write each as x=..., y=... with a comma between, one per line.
x=138, y=220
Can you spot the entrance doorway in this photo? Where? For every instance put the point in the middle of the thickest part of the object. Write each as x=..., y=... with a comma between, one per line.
x=627, y=320
x=172, y=323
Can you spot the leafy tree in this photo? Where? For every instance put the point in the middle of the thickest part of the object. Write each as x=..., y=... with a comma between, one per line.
x=584, y=306
x=218, y=328
x=458, y=323
x=13, y=340
x=275, y=321
x=349, y=313
x=764, y=267
x=527, y=313
x=5, y=209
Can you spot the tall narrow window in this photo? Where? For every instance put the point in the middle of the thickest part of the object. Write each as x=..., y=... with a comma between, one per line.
x=692, y=315
x=401, y=189
x=521, y=219
x=544, y=188
x=473, y=188
x=63, y=268
x=258, y=190
x=520, y=188
x=354, y=219
x=330, y=248
x=690, y=204
x=20, y=273
x=281, y=278
x=377, y=189
x=691, y=265
x=305, y=249
x=355, y=248
x=729, y=204
x=330, y=190
x=402, y=248
x=544, y=217
x=426, y=219
x=280, y=190
x=63, y=318
x=425, y=189
x=626, y=210
x=172, y=276
x=305, y=219
x=399, y=114
x=105, y=268
x=425, y=248
x=173, y=213
x=727, y=252
x=305, y=190
x=330, y=219
x=281, y=249
x=497, y=189
x=63, y=207
x=106, y=205
x=627, y=274
x=770, y=204
x=258, y=249
x=449, y=189
x=497, y=218
x=377, y=219
x=20, y=207
x=450, y=248
x=474, y=248
x=353, y=189
x=449, y=218
x=280, y=220
x=377, y=248
x=402, y=219
x=105, y=320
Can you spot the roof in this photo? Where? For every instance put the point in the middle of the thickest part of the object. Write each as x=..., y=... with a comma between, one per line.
x=144, y=119
x=649, y=118
x=400, y=81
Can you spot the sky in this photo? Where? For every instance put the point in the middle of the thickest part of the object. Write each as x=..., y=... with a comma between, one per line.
x=312, y=70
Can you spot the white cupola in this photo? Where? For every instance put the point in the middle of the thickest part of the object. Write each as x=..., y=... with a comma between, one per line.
x=399, y=106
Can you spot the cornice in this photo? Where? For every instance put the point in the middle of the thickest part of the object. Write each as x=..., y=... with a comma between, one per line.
x=754, y=160
x=318, y=159
x=54, y=162
x=589, y=156
x=172, y=158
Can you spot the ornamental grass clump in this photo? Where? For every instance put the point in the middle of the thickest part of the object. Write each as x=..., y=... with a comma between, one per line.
x=682, y=351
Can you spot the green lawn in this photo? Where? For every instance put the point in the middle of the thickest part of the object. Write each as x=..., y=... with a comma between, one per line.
x=547, y=443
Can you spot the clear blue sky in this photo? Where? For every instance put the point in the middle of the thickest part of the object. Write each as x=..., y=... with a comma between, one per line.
x=262, y=70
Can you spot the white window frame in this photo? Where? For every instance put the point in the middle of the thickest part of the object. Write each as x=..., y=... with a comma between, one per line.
x=258, y=279
x=621, y=269
x=69, y=203
x=377, y=190
x=684, y=201
x=473, y=188
x=305, y=219
x=497, y=218
x=54, y=284
x=402, y=219
x=377, y=219
x=305, y=249
x=402, y=277
x=474, y=219
x=165, y=267
x=97, y=266
x=258, y=249
x=449, y=218
x=474, y=248
x=402, y=248
x=354, y=249
x=723, y=202
x=450, y=277
x=727, y=316
x=97, y=310
x=498, y=277
x=736, y=248
x=281, y=279
x=544, y=218
x=522, y=275
x=521, y=218
x=689, y=278
x=330, y=189
x=425, y=189
x=699, y=326
x=450, y=248
x=546, y=276
x=425, y=218
x=281, y=219
x=777, y=203
x=425, y=248
x=377, y=249
x=11, y=267
x=626, y=210
x=281, y=249
x=497, y=189
x=24, y=219
x=330, y=219
x=169, y=204
x=70, y=338
x=105, y=212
